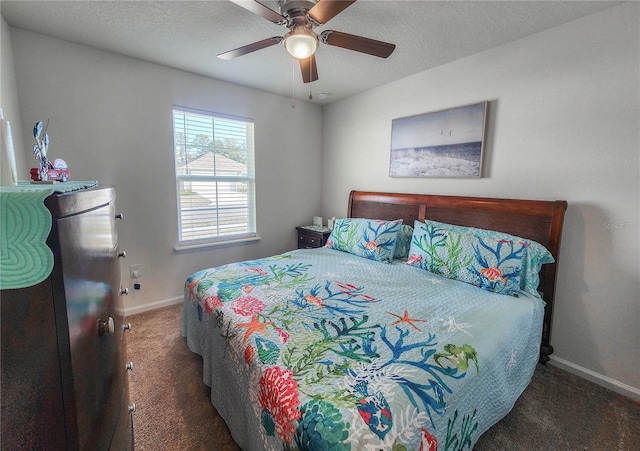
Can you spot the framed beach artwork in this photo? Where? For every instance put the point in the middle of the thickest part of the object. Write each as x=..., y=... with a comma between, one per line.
x=447, y=143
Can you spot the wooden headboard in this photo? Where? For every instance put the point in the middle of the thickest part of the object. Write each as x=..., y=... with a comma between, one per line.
x=536, y=220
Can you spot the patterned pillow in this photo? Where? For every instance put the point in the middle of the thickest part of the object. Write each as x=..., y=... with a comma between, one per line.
x=494, y=264
x=404, y=242
x=366, y=238
x=535, y=256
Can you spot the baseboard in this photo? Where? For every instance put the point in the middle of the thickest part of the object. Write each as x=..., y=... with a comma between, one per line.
x=153, y=305
x=597, y=378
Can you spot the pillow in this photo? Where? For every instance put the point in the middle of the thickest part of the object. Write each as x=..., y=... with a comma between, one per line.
x=491, y=263
x=404, y=242
x=437, y=250
x=368, y=238
x=535, y=256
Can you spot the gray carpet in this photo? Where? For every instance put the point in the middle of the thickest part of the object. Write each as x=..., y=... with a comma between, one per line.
x=558, y=411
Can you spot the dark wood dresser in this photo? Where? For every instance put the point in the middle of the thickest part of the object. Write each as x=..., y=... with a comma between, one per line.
x=64, y=379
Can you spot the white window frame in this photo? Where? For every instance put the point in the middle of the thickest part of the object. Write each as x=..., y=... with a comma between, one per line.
x=215, y=234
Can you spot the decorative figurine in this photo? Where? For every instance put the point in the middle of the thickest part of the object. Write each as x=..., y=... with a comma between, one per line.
x=47, y=172
x=40, y=149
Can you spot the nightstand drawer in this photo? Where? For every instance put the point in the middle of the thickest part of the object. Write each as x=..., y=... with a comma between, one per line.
x=309, y=238
x=308, y=241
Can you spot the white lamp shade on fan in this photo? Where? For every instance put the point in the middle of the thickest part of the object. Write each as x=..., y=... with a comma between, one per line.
x=301, y=45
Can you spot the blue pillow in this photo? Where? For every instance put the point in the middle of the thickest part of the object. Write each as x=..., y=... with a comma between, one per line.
x=368, y=238
x=494, y=264
x=532, y=257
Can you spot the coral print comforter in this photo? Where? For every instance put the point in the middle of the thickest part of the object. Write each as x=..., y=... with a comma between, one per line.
x=322, y=349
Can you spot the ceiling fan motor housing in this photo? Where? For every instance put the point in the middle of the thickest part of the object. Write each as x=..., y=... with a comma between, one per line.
x=294, y=8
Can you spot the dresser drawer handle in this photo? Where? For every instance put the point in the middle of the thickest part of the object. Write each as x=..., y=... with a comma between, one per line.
x=129, y=366
x=107, y=327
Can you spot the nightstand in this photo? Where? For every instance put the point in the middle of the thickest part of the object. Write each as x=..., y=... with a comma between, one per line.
x=312, y=236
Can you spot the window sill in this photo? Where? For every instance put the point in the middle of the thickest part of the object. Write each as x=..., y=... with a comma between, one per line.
x=205, y=246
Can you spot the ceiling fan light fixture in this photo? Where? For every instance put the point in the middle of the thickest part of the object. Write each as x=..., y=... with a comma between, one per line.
x=301, y=43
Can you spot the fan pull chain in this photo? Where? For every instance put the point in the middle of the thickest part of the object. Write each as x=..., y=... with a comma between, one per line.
x=310, y=80
x=293, y=83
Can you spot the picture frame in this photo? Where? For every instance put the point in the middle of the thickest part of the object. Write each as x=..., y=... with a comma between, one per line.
x=445, y=143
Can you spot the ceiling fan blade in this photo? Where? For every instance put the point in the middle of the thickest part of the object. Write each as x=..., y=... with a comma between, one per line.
x=309, y=69
x=261, y=10
x=357, y=43
x=325, y=10
x=250, y=48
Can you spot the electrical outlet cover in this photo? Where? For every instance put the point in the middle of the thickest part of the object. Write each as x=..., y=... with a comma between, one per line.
x=134, y=271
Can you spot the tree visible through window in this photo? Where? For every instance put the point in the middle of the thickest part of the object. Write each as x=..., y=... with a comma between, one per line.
x=215, y=178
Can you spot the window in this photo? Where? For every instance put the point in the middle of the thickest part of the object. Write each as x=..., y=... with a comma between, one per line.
x=215, y=176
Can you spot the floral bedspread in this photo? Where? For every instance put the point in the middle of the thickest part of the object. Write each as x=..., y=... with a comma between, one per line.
x=321, y=349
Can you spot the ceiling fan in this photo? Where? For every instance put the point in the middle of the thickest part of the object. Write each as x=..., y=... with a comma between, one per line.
x=301, y=17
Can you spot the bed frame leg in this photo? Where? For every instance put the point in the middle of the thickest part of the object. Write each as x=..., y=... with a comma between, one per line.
x=545, y=346
x=545, y=352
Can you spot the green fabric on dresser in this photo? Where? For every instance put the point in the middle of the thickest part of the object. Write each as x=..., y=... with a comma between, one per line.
x=25, y=223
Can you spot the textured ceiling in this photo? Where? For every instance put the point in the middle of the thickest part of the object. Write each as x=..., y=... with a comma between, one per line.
x=189, y=34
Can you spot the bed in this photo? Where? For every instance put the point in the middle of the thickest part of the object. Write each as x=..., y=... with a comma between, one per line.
x=416, y=328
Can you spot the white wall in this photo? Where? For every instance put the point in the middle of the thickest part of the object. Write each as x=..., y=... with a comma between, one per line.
x=110, y=120
x=9, y=96
x=564, y=124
